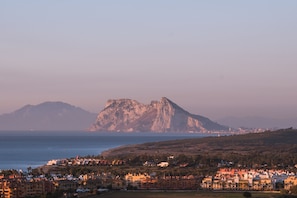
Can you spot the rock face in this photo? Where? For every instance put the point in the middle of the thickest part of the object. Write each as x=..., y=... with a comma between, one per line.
x=126, y=115
x=47, y=116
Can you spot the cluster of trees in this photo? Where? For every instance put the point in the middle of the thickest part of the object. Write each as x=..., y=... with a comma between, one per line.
x=254, y=159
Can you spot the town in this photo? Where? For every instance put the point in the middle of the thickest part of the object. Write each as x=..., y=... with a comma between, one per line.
x=85, y=176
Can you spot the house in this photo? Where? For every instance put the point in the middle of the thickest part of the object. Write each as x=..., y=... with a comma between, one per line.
x=66, y=184
x=163, y=164
x=207, y=182
x=148, y=163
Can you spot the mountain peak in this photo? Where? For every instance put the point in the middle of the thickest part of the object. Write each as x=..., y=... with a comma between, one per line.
x=121, y=101
x=54, y=103
x=127, y=115
x=164, y=99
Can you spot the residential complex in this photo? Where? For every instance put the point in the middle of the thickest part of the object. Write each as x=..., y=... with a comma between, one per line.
x=20, y=185
x=249, y=179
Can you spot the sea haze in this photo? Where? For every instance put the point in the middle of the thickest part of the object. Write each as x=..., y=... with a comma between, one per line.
x=20, y=150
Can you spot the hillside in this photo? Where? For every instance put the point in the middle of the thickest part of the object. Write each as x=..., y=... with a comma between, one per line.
x=126, y=115
x=270, y=145
x=47, y=116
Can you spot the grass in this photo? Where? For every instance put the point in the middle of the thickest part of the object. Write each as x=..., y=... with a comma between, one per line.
x=142, y=194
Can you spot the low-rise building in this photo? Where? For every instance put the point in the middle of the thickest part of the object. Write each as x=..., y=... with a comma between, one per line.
x=136, y=179
x=247, y=179
x=290, y=181
x=163, y=164
x=20, y=188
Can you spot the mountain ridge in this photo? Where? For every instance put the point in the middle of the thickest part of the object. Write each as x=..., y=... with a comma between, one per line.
x=269, y=143
x=47, y=116
x=127, y=115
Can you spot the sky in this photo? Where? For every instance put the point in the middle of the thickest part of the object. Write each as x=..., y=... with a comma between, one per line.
x=213, y=58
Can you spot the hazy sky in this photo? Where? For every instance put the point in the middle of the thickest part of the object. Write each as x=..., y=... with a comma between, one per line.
x=214, y=58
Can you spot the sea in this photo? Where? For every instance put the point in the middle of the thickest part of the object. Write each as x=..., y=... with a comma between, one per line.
x=20, y=150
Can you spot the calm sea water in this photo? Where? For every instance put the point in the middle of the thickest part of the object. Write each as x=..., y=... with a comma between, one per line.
x=20, y=150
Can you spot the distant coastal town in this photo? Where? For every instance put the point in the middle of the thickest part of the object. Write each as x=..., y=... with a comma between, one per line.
x=82, y=177
x=254, y=162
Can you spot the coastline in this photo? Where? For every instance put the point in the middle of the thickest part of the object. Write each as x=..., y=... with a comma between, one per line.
x=21, y=150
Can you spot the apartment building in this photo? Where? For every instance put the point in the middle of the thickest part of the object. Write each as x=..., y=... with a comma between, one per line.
x=20, y=188
x=248, y=179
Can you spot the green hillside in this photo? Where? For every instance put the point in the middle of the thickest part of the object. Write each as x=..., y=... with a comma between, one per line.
x=272, y=148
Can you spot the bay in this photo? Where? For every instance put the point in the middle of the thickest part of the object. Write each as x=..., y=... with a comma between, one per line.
x=20, y=150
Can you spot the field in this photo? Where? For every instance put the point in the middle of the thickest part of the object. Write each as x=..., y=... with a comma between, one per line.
x=142, y=194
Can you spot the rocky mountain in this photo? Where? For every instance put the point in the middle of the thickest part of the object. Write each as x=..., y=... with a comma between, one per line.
x=126, y=115
x=47, y=116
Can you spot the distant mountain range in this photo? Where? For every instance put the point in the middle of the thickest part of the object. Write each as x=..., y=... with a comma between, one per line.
x=126, y=115
x=47, y=116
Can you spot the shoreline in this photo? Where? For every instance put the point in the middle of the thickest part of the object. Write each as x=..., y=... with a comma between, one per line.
x=19, y=151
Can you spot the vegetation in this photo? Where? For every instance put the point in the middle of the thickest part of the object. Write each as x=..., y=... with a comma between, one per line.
x=136, y=194
x=271, y=149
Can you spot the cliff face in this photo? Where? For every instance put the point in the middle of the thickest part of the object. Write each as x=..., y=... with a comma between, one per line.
x=125, y=115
